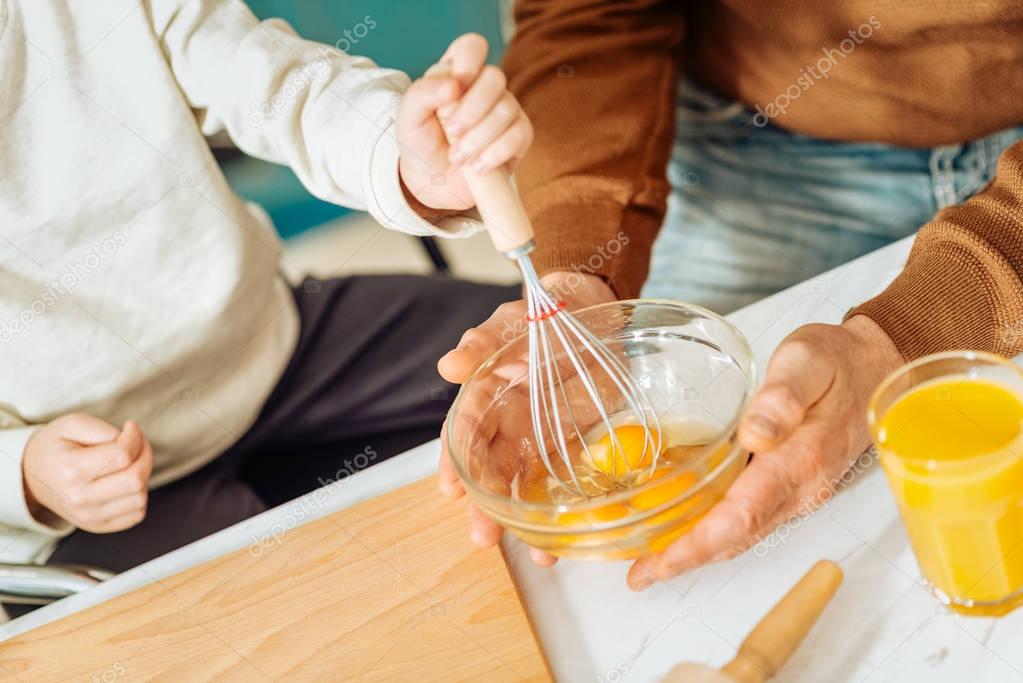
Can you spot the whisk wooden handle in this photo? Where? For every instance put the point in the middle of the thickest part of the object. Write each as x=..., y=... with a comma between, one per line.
x=496, y=199
x=501, y=209
x=776, y=637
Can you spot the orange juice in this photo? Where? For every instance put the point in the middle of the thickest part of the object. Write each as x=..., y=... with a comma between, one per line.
x=952, y=449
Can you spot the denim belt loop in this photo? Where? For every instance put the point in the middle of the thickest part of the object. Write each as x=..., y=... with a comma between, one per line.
x=943, y=175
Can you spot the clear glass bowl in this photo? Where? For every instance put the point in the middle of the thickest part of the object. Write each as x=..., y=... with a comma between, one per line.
x=696, y=370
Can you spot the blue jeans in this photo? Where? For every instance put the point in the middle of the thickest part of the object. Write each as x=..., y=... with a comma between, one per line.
x=756, y=209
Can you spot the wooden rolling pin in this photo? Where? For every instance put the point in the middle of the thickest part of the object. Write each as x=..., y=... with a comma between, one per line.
x=776, y=637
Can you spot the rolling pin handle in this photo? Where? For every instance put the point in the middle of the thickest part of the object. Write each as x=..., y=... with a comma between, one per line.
x=776, y=637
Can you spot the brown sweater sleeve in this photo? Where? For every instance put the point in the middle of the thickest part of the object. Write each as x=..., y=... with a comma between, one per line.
x=598, y=79
x=962, y=287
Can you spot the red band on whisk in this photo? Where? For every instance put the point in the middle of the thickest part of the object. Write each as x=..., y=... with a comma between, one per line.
x=544, y=316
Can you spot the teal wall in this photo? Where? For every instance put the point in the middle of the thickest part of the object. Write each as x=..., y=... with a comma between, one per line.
x=408, y=34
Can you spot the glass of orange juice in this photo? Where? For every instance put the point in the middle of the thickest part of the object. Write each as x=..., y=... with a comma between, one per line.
x=949, y=428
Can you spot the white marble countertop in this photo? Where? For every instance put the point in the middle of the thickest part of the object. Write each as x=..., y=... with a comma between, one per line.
x=881, y=626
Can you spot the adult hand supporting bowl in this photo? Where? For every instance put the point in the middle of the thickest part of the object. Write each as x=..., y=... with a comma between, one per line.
x=579, y=290
x=807, y=426
x=694, y=369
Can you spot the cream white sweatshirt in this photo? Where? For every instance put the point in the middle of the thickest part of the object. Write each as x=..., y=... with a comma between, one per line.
x=133, y=282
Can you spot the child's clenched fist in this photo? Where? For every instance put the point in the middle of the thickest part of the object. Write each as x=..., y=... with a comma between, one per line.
x=88, y=472
x=483, y=126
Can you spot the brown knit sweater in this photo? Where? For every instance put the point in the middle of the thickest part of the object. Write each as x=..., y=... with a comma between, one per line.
x=599, y=78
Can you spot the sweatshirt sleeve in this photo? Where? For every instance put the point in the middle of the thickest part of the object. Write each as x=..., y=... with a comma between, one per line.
x=598, y=79
x=962, y=287
x=14, y=511
x=326, y=114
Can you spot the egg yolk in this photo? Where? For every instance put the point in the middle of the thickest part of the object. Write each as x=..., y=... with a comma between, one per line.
x=599, y=515
x=672, y=488
x=628, y=451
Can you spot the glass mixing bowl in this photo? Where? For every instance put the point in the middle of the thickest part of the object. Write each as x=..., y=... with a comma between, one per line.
x=696, y=370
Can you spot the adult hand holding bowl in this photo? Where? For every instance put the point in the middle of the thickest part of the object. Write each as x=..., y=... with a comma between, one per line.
x=578, y=290
x=806, y=425
x=694, y=369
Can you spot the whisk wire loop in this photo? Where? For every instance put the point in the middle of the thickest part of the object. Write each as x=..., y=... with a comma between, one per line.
x=550, y=405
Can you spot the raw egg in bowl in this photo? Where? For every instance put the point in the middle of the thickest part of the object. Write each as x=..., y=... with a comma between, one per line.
x=640, y=490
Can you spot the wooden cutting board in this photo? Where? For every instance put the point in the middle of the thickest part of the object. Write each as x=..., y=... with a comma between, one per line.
x=388, y=590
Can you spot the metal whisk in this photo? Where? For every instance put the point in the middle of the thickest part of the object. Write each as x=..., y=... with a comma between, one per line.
x=555, y=422
x=563, y=350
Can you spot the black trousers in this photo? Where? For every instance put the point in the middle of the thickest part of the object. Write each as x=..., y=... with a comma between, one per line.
x=361, y=386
